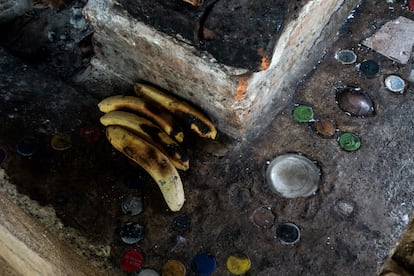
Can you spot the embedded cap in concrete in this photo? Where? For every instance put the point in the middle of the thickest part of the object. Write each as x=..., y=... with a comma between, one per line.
x=395, y=84
x=293, y=175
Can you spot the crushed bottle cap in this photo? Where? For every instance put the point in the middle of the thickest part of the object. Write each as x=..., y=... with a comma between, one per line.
x=203, y=264
x=263, y=217
x=28, y=146
x=149, y=272
x=132, y=233
x=61, y=141
x=346, y=56
x=181, y=223
x=132, y=205
x=91, y=133
x=345, y=208
x=288, y=233
x=303, y=113
x=173, y=268
x=238, y=264
x=369, y=68
x=349, y=141
x=3, y=155
x=395, y=84
x=132, y=260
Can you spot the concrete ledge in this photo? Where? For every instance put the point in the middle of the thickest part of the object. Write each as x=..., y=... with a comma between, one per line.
x=237, y=100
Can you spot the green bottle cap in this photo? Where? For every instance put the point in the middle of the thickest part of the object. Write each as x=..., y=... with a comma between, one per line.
x=303, y=113
x=349, y=141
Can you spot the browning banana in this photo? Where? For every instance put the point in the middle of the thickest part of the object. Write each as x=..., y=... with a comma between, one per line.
x=153, y=161
x=151, y=133
x=188, y=114
x=154, y=113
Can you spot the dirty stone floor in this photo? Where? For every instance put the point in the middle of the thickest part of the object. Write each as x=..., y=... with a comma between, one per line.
x=46, y=88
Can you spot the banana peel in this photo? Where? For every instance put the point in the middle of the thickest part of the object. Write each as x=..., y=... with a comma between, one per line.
x=151, y=133
x=158, y=115
x=189, y=115
x=151, y=160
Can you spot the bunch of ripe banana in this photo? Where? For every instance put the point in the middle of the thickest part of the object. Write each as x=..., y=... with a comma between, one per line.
x=147, y=128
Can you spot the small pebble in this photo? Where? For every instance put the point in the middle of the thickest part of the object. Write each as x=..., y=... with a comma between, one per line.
x=77, y=20
x=51, y=36
x=345, y=208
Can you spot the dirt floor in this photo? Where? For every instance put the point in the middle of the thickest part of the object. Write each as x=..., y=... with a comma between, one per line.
x=86, y=183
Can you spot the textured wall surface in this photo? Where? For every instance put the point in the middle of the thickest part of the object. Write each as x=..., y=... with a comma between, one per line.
x=239, y=102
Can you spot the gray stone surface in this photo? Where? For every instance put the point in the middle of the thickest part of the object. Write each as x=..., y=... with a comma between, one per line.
x=394, y=40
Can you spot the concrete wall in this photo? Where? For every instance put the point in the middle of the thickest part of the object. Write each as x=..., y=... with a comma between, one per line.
x=239, y=102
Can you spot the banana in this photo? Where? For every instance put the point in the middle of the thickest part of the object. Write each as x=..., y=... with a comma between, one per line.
x=154, y=113
x=151, y=133
x=153, y=161
x=195, y=120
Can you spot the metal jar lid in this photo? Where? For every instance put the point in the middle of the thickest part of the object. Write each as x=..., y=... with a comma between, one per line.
x=293, y=175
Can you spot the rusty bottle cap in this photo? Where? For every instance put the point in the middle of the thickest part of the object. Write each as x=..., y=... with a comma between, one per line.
x=173, y=267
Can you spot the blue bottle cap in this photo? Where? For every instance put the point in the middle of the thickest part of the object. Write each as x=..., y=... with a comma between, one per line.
x=203, y=264
x=28, y=146
x=132, y=233
x=369, y=68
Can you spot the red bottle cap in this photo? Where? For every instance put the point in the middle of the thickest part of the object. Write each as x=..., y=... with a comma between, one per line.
x=91, y=133
x=132, y=260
